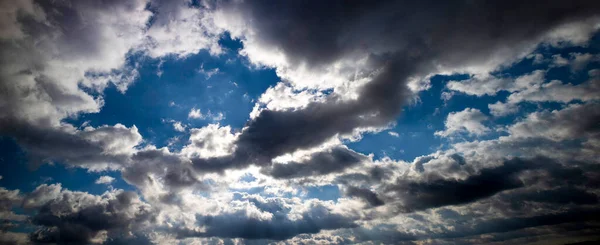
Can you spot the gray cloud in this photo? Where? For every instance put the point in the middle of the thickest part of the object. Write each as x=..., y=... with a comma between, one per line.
x=67, y=217
x=320, y=163
x=94, y=148
x=402, y=39
x=365, y=194
x=437, y=192
x=280, y=227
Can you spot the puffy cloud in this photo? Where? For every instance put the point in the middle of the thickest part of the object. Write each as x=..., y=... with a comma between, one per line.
x=180, y=29
x=500, y=109
x=392, y=61
x=66, y=216
x=178, y=126
x=45, y=70
x=573, y=122
x=195, y=113
x=104, y=180
x=210, y=141
x=10, y=199
x=58, y=57
x=339, y=79
x=467, y=121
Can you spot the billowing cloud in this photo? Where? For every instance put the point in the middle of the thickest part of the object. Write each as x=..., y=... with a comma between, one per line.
x=345, y=70
x=65, y=216
x=468, y=121
x=105, y=179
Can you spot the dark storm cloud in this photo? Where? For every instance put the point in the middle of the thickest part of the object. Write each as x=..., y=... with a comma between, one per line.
x=320, y=163
x=434, y=191
x=67, y=217
x=403, y=39
x=470, y=227
x=442, y=192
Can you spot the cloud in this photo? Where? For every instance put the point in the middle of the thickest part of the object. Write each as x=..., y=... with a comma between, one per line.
x=437, y=192
x=180, y=29
x=480, y=85
x=66, y=216
x=573, y=122
x=9, y=199
x=345, y=69
x=16, y=238
x=467, y=121
x=557, y=91
x=44, y=71
x=528, y=88
x=500, y=109
x=178, y=126
x=210, y=141
x=270, y=221
x=93, y=148
x=576, y=61
x=392, y=61
x=319, y=163
x=365, y=194
x=105, y=180
x=197, y=114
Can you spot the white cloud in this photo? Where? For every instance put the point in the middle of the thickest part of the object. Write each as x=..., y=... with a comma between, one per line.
x=559, y=92
x=576, y=61
x=208, y=73
x=467, y=121
x=500, y=109
x=394, y=134
x=480, y=85
x=580, y=61
x=105, y=180
x=197, y=114
x=558, y=60
x=179, y=127
x=181, y=30
x=557, y=125
x=210, y=141
x=446, y=96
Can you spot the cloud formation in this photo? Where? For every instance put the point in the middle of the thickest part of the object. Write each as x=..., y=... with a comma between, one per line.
x=346, y=70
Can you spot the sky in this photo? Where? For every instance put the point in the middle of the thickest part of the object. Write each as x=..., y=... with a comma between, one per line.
x=299, y=122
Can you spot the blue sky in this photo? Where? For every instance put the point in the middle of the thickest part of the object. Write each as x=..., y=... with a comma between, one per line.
x=217, y=122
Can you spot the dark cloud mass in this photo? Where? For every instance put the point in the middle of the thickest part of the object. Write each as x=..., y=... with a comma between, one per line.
x=352, y=67
x=67, y=217
x=403, y=40
x=320, y=163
